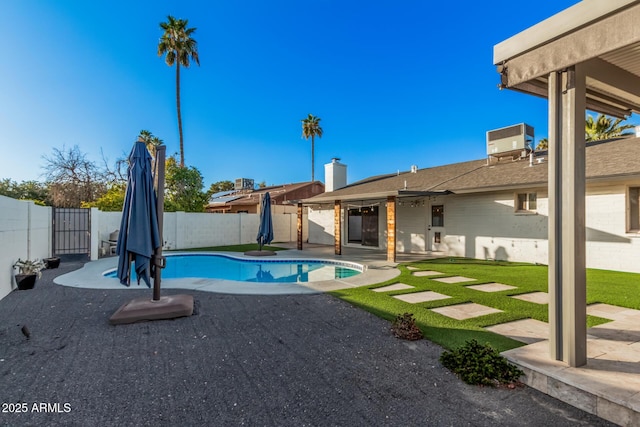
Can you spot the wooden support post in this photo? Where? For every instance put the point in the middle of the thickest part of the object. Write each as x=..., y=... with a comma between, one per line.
x=337, y=227
x=391, y=228
x=299, y=226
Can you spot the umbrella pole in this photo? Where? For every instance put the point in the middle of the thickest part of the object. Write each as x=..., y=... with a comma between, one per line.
x=158, y=259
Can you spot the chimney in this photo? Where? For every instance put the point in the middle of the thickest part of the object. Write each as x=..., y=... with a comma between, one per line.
x=335, y=175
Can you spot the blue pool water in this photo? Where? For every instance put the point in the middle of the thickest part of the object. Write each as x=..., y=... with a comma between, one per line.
x=217, y=266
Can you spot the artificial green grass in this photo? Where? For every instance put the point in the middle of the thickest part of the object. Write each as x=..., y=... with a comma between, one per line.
x=235, y=248
x=608, y=287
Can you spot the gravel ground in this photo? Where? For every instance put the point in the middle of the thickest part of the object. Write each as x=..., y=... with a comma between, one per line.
x=293, y=360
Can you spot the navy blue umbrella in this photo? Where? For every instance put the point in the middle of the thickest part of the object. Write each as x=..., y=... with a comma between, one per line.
x=139, y=235
x=265, y=232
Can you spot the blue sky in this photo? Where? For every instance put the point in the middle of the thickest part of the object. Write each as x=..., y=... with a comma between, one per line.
x=395, y=83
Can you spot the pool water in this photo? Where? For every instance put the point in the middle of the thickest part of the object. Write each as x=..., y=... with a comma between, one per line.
x=216, y=266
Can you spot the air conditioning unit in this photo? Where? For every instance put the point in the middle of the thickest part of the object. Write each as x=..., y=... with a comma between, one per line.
x=512, y=139
x=243, y=184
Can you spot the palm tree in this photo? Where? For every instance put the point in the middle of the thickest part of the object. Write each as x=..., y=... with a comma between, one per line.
x=605, y=128
x=543, y=144
x=311, y=128
x=152, y=142
x=179, y=48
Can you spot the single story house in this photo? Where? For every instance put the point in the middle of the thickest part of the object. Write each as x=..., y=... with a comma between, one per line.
x=487, y=209
x=283, y=198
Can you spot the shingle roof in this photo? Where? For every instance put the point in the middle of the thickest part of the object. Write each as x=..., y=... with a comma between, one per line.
x=606, y=159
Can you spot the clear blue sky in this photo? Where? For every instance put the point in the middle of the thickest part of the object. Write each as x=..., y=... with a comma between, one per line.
x=396, y=83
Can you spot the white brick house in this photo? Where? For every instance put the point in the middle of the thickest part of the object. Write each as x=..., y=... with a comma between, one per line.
x=489, y=210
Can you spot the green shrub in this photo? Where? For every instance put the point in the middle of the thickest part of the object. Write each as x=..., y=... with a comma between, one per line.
x=478, y=364
x=404, y=326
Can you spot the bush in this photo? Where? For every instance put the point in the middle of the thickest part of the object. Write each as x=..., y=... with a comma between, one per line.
x=478, y=364
x=404, y=326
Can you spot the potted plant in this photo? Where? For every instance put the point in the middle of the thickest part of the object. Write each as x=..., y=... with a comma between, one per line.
x=28, y=272
x=53, y=262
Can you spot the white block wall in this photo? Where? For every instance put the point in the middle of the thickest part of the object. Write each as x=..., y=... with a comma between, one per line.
x=195, y=230
x=25, y=232
x=320, y=225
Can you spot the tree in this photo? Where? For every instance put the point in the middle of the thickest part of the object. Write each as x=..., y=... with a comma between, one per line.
x=598, y=129
x=183, y=188
x=219, y=186
x=605, y=128
x=311, y=128
x=72, y=179
x=111, y=201
x=150, y=141
x=543, y=144
x=179, y=48
x=26, y=190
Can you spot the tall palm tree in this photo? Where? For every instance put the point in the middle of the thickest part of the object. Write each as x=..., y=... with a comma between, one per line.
x=605, y=128
x=311, y=128
x=179, y=48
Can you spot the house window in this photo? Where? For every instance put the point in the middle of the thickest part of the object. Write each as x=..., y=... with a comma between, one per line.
x=634, y=209
x=526, y=202
x=437, y=216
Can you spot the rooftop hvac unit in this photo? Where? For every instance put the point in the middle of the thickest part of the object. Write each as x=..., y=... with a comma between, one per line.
x=243, y=184
x=510, y=139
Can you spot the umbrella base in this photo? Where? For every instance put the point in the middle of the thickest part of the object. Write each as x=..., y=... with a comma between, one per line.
x=142, y=309
x=260, y=253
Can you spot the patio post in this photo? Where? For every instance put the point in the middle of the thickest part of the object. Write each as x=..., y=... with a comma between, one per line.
x=567, y=243
x=337, y=227
x=391, y=229
x=299, y=226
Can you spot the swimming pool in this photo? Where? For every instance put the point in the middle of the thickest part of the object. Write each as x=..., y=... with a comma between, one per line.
x=219, y=266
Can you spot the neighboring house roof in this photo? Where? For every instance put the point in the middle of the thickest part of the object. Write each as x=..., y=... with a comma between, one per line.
x=280, y=194
x=611, y=159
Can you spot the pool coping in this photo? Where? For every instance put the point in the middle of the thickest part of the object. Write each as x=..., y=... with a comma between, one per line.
x=91, y=276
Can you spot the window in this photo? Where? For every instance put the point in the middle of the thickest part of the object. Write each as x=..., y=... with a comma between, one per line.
x=437, y=216
x=634, y=209
x=526, y=202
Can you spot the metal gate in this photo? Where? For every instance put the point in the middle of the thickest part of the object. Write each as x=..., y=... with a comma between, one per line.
x=71, y=231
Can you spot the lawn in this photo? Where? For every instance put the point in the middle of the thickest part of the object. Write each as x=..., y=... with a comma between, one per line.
x=610, y=287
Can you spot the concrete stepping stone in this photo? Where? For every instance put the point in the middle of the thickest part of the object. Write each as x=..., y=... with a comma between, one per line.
x=465, y=311
x=491, y=287
x=427, y=273
x=613, y=312
x=394, y=287
x=454, y=279
x=411, y=267
x=525, y=330
x=417, y=297
x=535, y=297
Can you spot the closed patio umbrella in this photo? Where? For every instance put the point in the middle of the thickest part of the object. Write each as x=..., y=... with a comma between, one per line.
x=265, y=232
x=140, y=239
x=139, y=235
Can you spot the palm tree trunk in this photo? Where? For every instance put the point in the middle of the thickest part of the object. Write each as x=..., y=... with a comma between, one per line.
x=179, y=113
x=312, y=159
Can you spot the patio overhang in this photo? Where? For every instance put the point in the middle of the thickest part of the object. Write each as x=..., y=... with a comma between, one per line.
x=382, y=195
x=602, y=36
x=586, y=57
